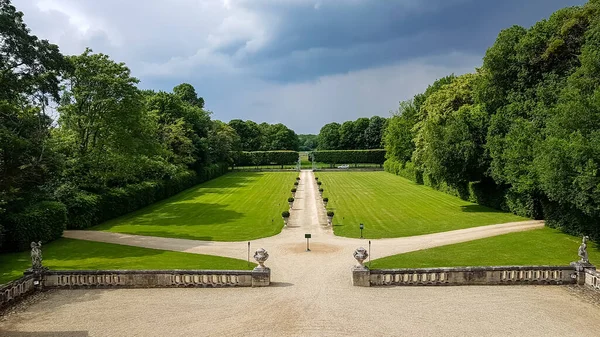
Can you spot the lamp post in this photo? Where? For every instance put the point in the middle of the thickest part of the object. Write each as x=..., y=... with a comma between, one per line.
x=361, y=229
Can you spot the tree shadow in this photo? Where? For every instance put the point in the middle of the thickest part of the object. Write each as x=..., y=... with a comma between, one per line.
x=479, y=209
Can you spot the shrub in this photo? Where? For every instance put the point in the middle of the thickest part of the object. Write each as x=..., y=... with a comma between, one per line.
x=317, y=178
x=285, y=214
x=296, y=183
x=297, y=178
x=319, y=183
x=321, y=190
x=44, y=221
x=294, y=190
x=330, y=213
x=290, y=199
x=326, y=199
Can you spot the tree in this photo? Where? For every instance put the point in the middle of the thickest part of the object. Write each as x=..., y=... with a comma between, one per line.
x=308, y=142
x=249, y=133
x=348, y=138
x=374, y=132
x=400, y=133
x=188, y=94
x=329, y=137
x=281, y=138
x=104, y=121
x=29, y=67
x=222, y=142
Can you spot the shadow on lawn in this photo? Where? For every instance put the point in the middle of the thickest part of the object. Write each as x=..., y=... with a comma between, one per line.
x=479, y=209
x=176, y=214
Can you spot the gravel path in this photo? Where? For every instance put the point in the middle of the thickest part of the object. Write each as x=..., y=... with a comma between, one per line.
x=311, y=294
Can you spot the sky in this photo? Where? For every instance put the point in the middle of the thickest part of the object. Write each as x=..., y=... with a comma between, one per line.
x=303, y=63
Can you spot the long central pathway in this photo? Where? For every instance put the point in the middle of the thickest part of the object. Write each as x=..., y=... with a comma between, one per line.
x=311, y=294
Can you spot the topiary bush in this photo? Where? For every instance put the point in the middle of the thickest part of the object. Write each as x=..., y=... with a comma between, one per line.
x=321, y=190
x=296, y=183
x=326, y=199
x=290, y=199
x=297, y=178
x=294, y=190
x=319, y=183
x=43, y=221
x=330, y=213
x=285, y=214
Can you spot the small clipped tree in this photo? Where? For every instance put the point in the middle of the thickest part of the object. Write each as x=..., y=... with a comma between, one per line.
x=291, y=202
x=319, y=183
x=296, y=183
x=330, y=215
x=286, y=216
x=325, y=201
x=298, y=178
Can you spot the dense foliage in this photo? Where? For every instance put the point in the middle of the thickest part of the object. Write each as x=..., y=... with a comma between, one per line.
x=523, y=130
x=361, y=134
x=308, y=142
x=264, y=136
x=335, y=157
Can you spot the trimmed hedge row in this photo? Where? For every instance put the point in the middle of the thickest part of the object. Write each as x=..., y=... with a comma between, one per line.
x=87, y=209
x=76, y=209
x=486, y=193
x=260, y=158
x=43, y=221
x=349, y=156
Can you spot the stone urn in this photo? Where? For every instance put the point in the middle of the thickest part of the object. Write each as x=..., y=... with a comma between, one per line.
x=329, y=218
x=291, y=203
x=286, y=219
x=261, y=256
x=293, y=194
x=361, y=255
x=325, y=202
x=321, y=192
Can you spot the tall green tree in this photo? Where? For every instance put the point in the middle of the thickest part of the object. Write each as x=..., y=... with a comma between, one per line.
x=329, y=137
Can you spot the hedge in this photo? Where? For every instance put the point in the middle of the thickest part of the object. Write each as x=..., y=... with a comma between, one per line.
x=43, y=221
x=260, y=158
x=86, y=209
x=335, y=157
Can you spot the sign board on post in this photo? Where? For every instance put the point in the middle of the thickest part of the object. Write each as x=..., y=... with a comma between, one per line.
x=307, y=236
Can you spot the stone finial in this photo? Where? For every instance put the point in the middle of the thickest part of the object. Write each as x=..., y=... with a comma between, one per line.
x=261, y=256
x=36, y=256
x=361, y=255
x=583, y=254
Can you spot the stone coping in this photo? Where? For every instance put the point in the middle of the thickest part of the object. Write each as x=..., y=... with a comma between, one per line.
x=147, y=271
x=468, y=269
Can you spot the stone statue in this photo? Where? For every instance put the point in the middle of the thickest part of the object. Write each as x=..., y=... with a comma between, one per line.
x=583, y=254
x=261, y=257
x=361, y=255
x=36, y=256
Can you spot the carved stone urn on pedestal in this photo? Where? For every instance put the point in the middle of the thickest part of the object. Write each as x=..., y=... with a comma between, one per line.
x=261, y=256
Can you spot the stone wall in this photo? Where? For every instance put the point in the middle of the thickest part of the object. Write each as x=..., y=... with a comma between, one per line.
x=16, y=290
x=507, y=275
x=155, y=278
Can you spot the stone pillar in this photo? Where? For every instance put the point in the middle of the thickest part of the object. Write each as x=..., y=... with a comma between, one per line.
x=261, y=275
x=581, y=270
x=361, y=275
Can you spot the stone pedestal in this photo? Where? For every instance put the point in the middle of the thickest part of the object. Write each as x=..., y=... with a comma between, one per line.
x=581, y=268
x=361, y=277
x=261, y=277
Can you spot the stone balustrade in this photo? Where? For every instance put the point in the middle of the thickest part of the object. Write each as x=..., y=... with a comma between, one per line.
x=592, y=278
x=155, y=278
x=16, y=290
x=507, y=275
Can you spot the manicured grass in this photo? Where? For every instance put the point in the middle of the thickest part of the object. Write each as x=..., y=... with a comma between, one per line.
x=68, y=254
x=543, y=246
x=235, y=207
x=391, y=206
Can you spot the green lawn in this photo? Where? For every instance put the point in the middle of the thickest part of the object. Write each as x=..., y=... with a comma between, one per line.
x=544, y=246
x=68, y=254
x=235, y=207
x=391, y=206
